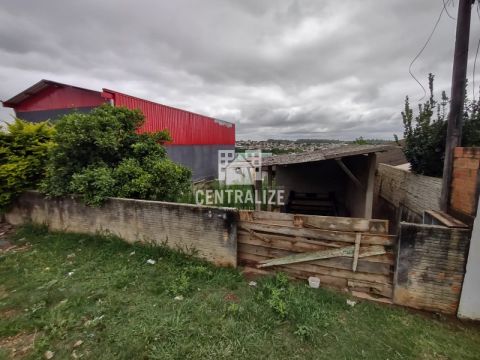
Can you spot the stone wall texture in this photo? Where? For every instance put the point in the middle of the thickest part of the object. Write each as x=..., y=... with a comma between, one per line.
x=211, y=232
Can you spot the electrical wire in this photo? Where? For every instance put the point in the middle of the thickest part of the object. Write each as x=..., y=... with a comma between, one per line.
x=476, y=56
x=474, y=66
x=421, y=51
x=445, y=4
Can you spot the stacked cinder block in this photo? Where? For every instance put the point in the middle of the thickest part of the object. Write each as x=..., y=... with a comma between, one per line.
x=464, y=193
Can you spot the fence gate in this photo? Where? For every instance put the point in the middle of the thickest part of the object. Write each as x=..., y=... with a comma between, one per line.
x=347, y=253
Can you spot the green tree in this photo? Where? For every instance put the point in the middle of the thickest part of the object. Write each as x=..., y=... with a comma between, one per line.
x=425, y=134
x=24, y=149
x=101, y=154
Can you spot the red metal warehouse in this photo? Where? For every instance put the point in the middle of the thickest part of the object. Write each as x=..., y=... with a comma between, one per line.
x=196, y=138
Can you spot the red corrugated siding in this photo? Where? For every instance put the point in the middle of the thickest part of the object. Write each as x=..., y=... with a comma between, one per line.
x=61, y=98
x=184, y=127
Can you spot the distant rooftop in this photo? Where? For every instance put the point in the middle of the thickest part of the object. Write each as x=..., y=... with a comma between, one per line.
x=335, y=152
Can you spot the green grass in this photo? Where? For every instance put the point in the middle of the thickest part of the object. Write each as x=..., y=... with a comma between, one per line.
x=123, y=308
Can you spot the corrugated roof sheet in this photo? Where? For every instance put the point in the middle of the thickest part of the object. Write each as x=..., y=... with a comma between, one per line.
x=325, y=154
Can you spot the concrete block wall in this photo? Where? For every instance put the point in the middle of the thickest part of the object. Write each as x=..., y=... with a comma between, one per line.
x=465, y=180
x=210, y=231
x=430, y=267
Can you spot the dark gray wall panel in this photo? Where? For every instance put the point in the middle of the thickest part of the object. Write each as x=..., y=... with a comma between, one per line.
x=202, y=159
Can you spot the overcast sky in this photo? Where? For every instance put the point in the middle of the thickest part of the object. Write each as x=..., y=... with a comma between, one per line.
x=277, y=68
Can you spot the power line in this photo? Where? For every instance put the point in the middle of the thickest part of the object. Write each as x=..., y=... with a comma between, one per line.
x=476, y=55
x=421, y=51
x=474, y=66
x=446, y=10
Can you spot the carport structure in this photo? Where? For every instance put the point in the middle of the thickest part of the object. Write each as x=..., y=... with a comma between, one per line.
x=337, y=181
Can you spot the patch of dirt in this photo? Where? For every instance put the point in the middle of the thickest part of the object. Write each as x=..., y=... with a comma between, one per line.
x=18, y=346
x=231, y=297
x=10, y=248
x=3, y=292
x=6, y=230
x=9, y=313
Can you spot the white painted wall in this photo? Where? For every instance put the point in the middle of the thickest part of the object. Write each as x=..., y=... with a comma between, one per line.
x=469, y=307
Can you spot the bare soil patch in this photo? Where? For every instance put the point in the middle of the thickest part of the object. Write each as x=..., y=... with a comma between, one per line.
x=18, y=346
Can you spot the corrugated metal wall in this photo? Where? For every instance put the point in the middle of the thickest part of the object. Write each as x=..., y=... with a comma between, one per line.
x=185, y=128
x=61, y=97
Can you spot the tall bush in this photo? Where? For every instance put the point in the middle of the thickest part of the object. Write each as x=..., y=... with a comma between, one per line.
x=100, y=154
x=24, y=149
x=425, y=134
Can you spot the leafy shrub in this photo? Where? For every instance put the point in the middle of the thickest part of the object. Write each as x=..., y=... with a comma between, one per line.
x=24, y=149
x=276, y=292
x=181, y=285
x=100, y=154
x=425, y=134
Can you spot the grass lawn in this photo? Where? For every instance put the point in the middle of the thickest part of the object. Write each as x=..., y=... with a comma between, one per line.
x=93, y=297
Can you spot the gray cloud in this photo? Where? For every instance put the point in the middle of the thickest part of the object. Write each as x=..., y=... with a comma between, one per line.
x=279, y=69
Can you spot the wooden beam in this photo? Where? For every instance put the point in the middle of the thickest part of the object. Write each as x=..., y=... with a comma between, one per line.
x=349, y=173
x=324, y=254
x=372, y=166
x=270, y=184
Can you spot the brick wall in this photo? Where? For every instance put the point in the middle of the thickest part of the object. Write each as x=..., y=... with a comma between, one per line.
x=211, y=231
x=430, y=267
x=464, y=192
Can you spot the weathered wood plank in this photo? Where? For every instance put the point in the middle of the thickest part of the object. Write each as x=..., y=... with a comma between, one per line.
x=288, y=242
x=373, y=226
x=362, y=295
x=323, y=254
x=295, y=245
x=369, y=239
x=369, y=287
x=313, y=269
x=373, y=289
x=343, y=263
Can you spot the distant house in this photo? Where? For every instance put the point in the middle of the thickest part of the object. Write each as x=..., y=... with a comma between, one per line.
x=196, y=138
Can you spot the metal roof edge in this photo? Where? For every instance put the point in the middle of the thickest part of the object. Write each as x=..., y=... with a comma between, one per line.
x=35, y=89
x=168, y=106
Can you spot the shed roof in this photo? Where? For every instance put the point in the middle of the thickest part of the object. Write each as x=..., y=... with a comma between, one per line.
x=35, y=89
x=335, y=152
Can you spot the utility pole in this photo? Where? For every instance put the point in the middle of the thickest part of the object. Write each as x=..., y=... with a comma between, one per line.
x=459, y=81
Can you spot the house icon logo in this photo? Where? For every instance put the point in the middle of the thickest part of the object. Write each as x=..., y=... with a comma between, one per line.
x=241, y=168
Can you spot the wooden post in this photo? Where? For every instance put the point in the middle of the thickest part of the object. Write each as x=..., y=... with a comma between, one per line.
x=372, y=166
x=459, y=79
x=270, y=184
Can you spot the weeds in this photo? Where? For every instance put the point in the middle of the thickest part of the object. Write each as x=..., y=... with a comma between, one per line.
x=120, y=307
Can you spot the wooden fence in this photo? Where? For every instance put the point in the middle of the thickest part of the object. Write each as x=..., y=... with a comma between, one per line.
x=347, y=253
